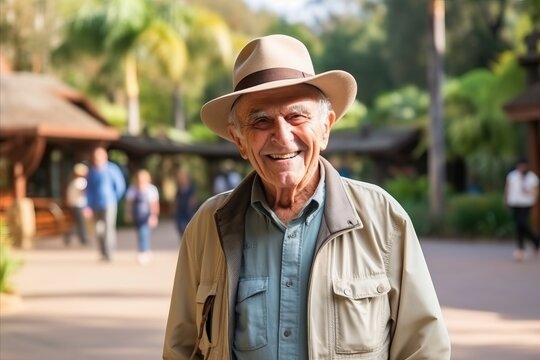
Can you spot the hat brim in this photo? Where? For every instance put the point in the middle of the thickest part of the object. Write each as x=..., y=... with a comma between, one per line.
x=339, y=86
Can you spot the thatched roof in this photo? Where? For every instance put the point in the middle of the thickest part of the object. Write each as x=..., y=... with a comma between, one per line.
x=40, y=105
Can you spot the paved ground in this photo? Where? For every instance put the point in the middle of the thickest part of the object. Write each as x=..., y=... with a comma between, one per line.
x=75, y=307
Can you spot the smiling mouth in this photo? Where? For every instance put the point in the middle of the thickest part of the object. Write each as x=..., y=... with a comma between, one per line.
x=284, y=156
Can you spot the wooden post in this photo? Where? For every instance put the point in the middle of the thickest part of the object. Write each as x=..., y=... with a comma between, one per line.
x=533, y=128
x=19, y=180
x=436, y=161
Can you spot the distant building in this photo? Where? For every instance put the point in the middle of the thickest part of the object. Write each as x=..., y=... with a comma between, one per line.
x=45, y=127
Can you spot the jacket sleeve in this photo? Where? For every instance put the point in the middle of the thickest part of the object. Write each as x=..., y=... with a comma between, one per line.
x=181, y=330
x=418, y=330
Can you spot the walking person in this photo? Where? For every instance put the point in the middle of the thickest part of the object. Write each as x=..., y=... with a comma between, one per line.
x=185, y=200
x=298, y=262
x=521, y=194
x=76, y=201
x=142, y=209
x=106, y=186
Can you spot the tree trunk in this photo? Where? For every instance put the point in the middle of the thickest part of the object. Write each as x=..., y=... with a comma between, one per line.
x=437, y=173
x=178, y=109
x=134, y=122
x=132, y=92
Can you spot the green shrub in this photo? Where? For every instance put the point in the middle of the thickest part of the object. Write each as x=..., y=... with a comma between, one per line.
x=482, y=215
x=406, y=189
x=411, y=193
x=8, y=264
x=423, y=222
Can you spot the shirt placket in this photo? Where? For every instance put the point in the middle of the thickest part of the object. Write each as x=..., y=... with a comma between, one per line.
x=290, y=291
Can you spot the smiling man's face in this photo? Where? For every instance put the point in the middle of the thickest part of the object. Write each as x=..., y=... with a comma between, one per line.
x=282, y=134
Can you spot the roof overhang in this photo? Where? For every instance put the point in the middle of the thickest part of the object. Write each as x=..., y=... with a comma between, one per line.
x=525, y=106
x=102, y=134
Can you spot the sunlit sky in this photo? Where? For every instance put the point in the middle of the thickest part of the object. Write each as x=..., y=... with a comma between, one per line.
x=297, y=10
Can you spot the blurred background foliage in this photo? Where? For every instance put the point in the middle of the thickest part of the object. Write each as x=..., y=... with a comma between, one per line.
x=158, y=61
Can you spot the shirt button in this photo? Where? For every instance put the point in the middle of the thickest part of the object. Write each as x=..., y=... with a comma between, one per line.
x=380, y=288
x=348, y=292
x=286, y=333
x=288, y=283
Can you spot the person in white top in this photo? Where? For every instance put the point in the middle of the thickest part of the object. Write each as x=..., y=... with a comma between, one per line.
x=142, y=209
x=76, y=201
x=520, y=195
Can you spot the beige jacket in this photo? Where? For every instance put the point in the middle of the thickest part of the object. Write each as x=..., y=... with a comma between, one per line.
x=370, y=293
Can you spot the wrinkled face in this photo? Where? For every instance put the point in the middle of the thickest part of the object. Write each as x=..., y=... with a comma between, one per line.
x=281, y=132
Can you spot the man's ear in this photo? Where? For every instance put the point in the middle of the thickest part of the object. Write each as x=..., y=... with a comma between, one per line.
x=237, y=141
x=327, y=127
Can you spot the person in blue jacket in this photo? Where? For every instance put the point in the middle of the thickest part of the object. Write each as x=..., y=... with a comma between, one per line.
x=106, y=186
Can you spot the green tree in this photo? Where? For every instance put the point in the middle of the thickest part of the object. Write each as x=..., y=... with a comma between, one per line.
x=477, y=128
x=357, y=46
x=210, y=45
x=403, y=107
x=123, y=32
x=141, y=36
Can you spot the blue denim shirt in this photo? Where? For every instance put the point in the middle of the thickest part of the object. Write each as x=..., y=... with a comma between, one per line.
x=271, y=302
x=106, y=186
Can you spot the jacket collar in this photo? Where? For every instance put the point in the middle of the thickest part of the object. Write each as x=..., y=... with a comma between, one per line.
x=339, y=212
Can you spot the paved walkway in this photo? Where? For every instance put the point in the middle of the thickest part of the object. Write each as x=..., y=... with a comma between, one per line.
x=75, y=307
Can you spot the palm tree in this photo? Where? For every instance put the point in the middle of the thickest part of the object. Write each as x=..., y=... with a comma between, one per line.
x=126, y=33
x=208, y=42
x=121, y=33
x=437, y=172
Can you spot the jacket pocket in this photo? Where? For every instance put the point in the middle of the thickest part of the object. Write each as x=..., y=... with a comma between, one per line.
x=206, y=294
x=362, y=312
x=251, y=314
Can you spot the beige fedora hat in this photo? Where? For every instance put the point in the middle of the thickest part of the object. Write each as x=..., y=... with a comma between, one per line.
x=276, y=61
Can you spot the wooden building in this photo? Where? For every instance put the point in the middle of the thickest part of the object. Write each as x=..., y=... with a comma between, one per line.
x=45, y=127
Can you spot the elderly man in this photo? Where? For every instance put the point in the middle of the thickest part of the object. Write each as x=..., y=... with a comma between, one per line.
x=298, y=262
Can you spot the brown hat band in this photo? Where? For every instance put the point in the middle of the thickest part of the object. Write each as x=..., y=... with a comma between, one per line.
x=268, y=75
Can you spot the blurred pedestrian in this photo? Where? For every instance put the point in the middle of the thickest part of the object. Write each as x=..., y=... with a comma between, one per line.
x=76, y=201
x=142, y=209
x=106, y=186
x=227, y=179
x=185, y=200
x=520, y=194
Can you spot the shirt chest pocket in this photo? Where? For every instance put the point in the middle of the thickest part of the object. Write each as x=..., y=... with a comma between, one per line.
x=251, y=314
x=362, y=313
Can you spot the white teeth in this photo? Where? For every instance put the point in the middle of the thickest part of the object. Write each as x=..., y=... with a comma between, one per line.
x=284, y=156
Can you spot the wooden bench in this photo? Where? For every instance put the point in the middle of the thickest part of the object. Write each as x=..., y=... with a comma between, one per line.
x=52, y=219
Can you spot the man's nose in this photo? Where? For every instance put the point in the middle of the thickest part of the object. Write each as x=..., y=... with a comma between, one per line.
x=282, y=131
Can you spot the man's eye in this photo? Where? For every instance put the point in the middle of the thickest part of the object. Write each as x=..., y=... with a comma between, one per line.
x=297, y=118
x=261, y=123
